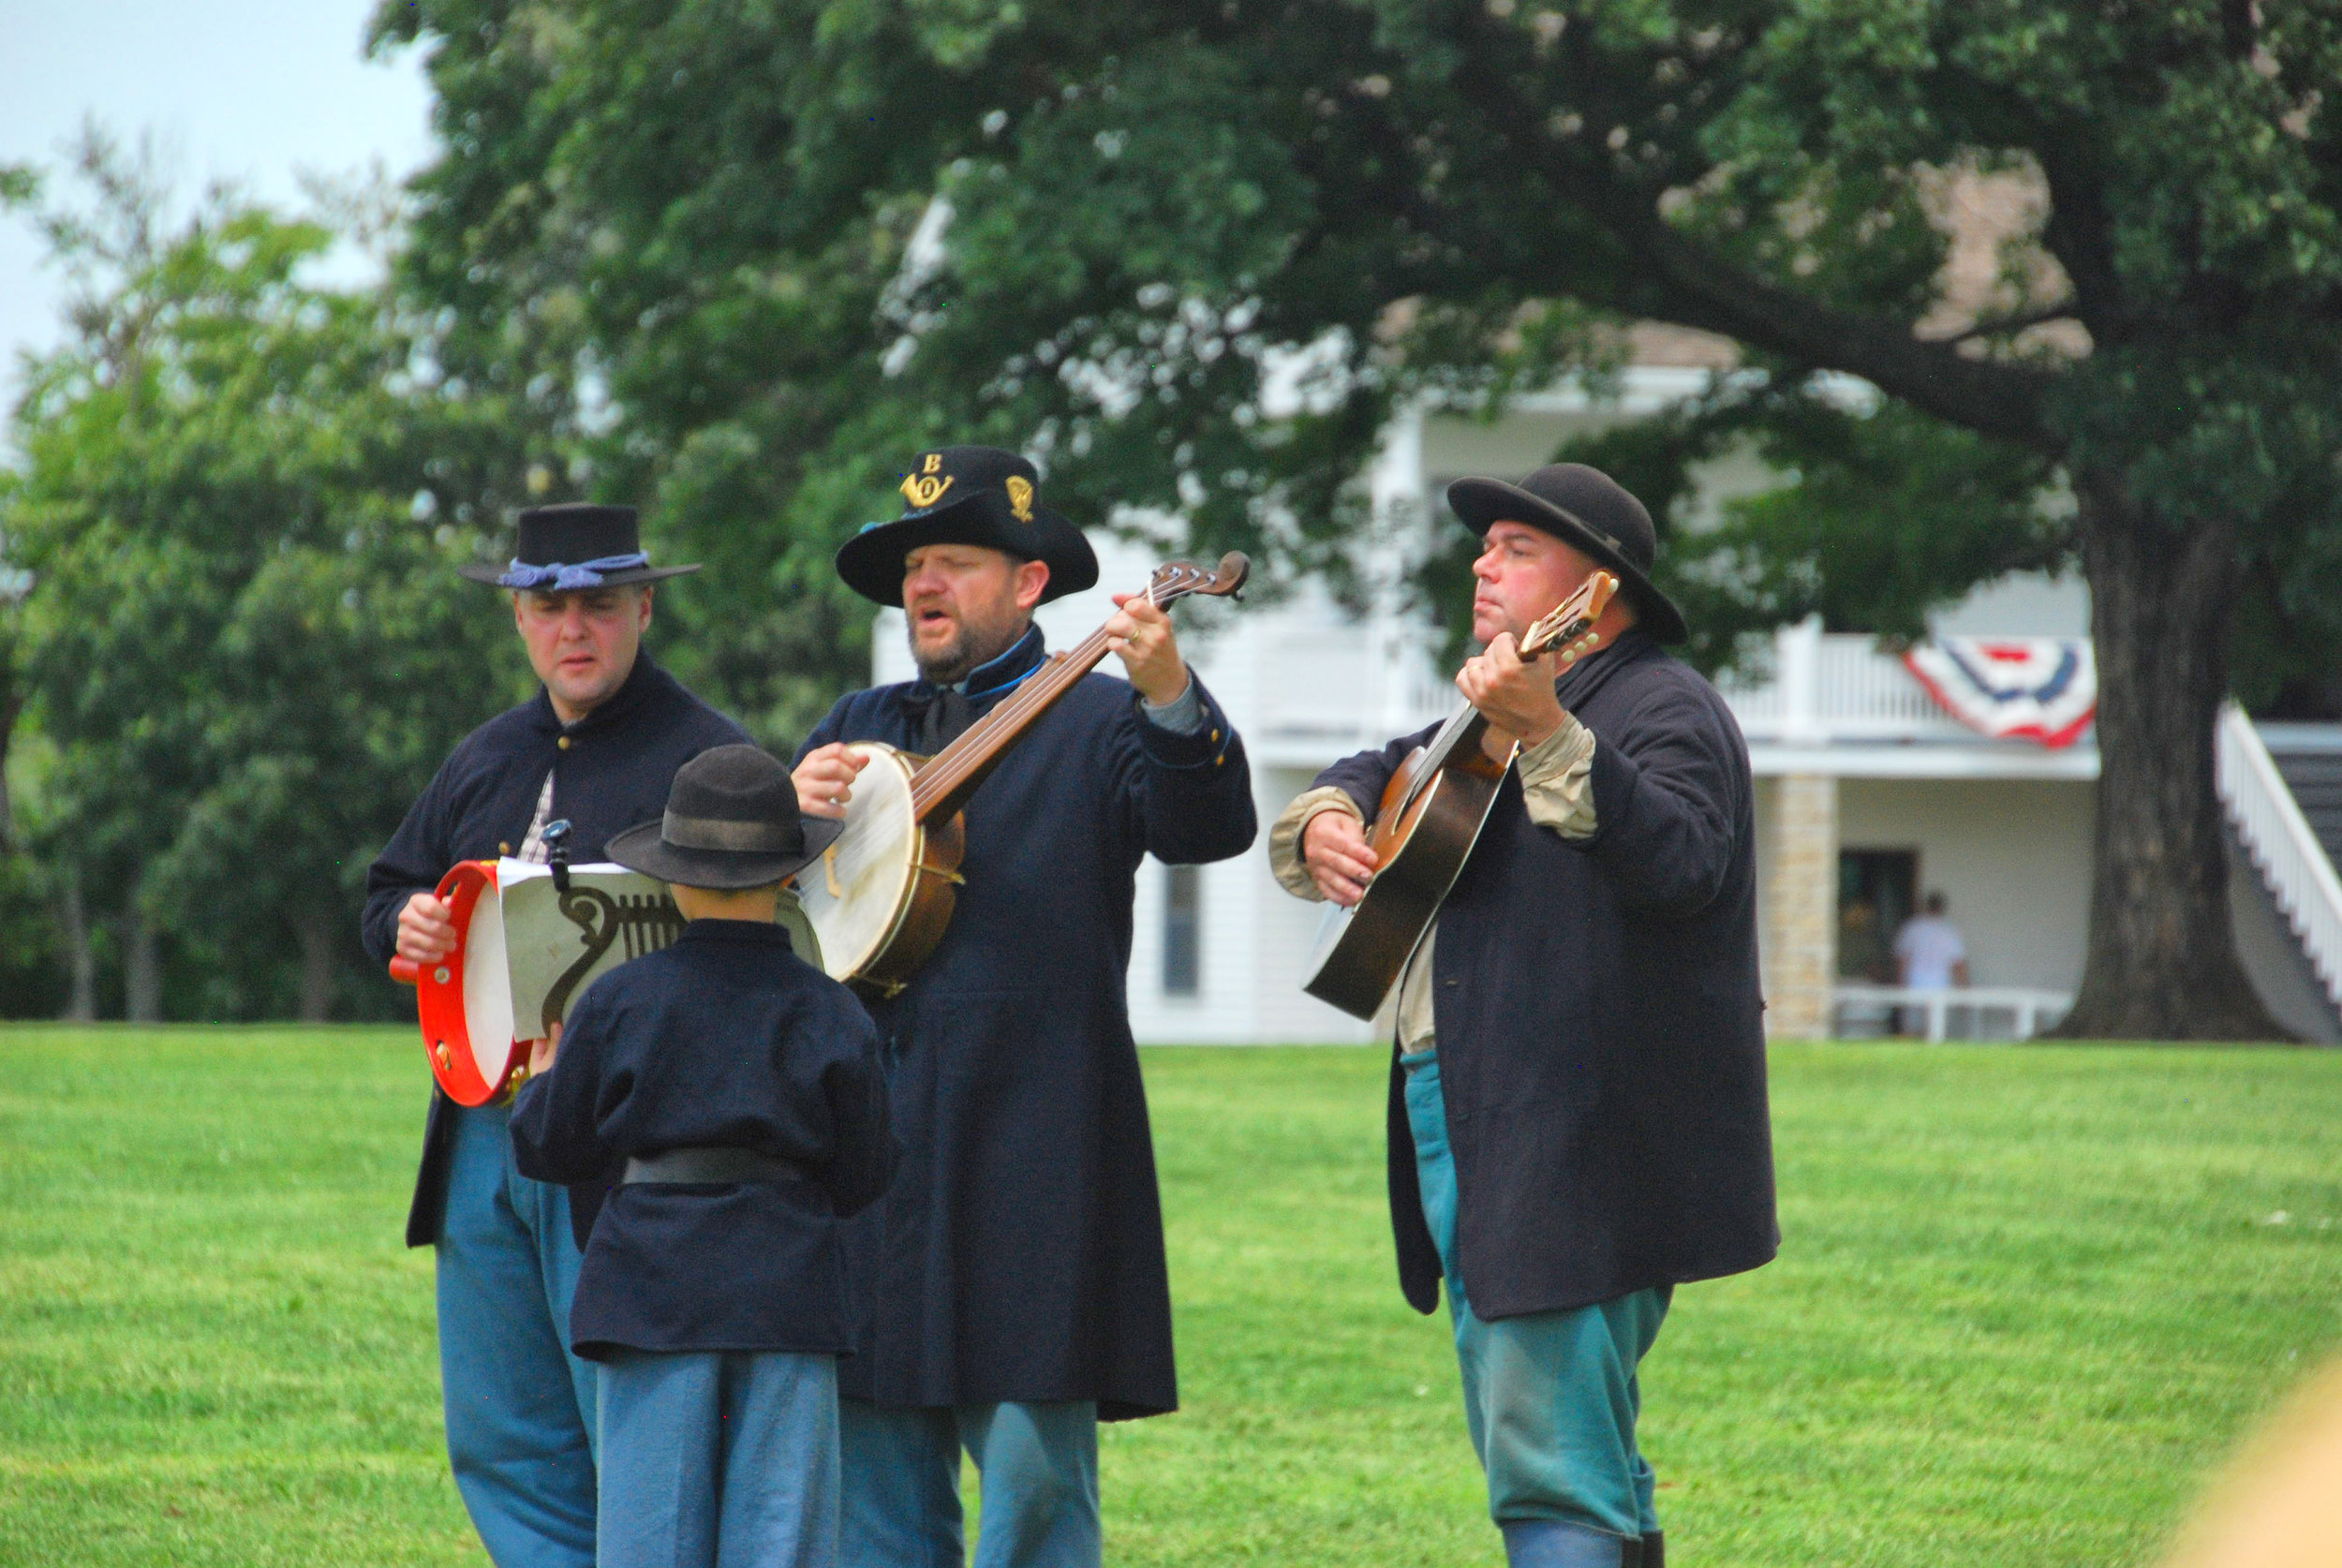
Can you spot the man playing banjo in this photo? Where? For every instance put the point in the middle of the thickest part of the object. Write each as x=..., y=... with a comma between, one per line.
x=1017, y=1285
x=1577, y=1116
x=597, y=747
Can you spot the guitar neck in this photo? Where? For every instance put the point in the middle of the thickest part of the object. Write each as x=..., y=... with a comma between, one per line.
x=944, y=782
x=1462, y=732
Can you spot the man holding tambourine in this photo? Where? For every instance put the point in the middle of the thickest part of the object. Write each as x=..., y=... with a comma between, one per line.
x=597, y=748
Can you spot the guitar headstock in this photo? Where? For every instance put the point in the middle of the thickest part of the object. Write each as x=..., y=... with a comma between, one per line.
x=1178, y=579
x=1569, y=621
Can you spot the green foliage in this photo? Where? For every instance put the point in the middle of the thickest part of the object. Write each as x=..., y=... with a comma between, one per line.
x=1191, y=257
x=2027, y=1298
x=243, y=643
x=1886, y=516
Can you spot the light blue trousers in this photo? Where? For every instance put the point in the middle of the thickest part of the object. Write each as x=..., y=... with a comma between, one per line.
x=519, y=1407
x=1550, y=1397
x=1036, y=1465
x=719, y=1459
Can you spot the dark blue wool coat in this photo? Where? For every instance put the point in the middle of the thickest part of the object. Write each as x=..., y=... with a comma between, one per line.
x=1601, y=1041
x=1018, y=1254
x=726, y=1040
x=613, y=774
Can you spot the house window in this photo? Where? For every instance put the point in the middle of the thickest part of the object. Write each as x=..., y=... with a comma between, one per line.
x=1183, y=930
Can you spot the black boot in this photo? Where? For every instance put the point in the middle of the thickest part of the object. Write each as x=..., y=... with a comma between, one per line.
x=1653, y=1550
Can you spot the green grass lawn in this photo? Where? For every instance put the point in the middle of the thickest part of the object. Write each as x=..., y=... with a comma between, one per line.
x=2027, y=1299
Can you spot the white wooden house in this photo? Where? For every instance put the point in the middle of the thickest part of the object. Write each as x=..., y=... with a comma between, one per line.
x=1867, y=791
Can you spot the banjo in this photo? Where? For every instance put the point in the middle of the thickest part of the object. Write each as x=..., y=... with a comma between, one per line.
x=881, y=896
x=1431, y=815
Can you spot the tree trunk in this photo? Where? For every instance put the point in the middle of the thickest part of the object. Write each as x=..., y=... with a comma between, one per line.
x=142, y=971
x=316, y=970
x=81, y=962
x=2162, y=958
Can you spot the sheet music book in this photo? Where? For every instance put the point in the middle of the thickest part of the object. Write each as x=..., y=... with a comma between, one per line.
x=556, y=944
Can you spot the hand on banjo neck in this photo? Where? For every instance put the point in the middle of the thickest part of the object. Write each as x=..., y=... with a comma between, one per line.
x=882, y=896
x=1139, y=632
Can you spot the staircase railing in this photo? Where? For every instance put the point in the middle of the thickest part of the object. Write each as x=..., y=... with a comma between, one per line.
x=2282, y=846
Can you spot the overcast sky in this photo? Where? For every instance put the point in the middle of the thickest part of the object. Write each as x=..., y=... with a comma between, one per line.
x=250, y=91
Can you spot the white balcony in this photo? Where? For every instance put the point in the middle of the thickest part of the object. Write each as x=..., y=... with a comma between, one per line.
x=1838, y=704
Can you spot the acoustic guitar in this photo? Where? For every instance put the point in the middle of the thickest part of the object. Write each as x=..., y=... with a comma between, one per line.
x=880, y=897
x=1431, y=815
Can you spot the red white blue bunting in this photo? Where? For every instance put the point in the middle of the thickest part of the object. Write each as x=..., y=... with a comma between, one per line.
x=2038, y=688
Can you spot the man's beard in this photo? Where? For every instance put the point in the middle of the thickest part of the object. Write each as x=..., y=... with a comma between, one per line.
x=971, y=647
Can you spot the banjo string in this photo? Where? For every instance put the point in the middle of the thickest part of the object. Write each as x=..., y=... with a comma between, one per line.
x=932, y=781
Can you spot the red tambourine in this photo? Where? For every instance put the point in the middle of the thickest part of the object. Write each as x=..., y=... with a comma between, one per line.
x=466, y=998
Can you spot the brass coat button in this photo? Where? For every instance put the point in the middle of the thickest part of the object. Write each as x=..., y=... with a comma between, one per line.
x=563, y=743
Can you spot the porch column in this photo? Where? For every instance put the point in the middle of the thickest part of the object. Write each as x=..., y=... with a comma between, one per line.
x=1800, y=916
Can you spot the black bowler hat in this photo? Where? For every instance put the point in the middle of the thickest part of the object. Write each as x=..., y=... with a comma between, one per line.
x=732, y=821
x=1588, y=510
x=969, y=496
x=573, y=546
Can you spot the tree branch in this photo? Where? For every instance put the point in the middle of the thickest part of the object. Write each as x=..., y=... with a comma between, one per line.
x=1996, y=325
x=1701, y=288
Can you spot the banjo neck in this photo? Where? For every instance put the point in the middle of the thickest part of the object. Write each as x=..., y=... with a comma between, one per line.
x=944, y=784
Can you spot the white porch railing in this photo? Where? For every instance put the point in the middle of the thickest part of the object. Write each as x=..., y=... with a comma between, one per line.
x=2278, y=840
x=1827, y=687
x=1362, y=686
x=1860, y=1009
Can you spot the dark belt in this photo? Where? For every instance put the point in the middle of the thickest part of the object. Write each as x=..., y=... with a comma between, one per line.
x=710, y=1166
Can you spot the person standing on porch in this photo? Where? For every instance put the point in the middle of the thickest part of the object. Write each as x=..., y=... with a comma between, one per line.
x=1576, y=1117
x=1929, y=952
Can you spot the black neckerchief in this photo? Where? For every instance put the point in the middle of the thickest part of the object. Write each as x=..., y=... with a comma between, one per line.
x=939, y=715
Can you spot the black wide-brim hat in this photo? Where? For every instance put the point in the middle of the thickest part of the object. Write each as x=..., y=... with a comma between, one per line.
x=574, y=546
x=732, y=821
x=979, y=495
x=1588, y=510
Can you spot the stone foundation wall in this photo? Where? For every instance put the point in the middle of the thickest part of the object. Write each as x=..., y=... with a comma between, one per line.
x=1798, y=943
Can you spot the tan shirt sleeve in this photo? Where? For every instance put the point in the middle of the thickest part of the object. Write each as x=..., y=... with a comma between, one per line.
x=1557, y=780
x=1557, y=786
x=1285, y=838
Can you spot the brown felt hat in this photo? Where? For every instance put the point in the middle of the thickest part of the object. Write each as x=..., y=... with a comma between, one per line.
x=732, y=821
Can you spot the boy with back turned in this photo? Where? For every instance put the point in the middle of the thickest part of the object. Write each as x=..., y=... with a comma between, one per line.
x=740, y=1088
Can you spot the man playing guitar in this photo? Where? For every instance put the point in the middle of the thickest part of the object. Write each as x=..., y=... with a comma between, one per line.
x=1018, y=1287
x=1576, y=1117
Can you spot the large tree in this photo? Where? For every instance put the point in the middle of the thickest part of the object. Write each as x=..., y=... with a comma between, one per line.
x=757, y=249
x=241, y=642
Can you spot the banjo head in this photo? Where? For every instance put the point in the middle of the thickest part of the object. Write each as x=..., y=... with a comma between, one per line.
x=855, y=894
x=464, y=1002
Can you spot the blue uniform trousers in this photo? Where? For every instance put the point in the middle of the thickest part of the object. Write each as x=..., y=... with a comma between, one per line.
x=718, y=1459
x=1036, y=1466
x=1550, y=1397
x=519, y=1407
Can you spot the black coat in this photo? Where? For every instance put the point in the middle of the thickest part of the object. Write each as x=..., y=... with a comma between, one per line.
x=1018, y=1254
x=1600, y=1032
x=612, y=774
x=725, y=1040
